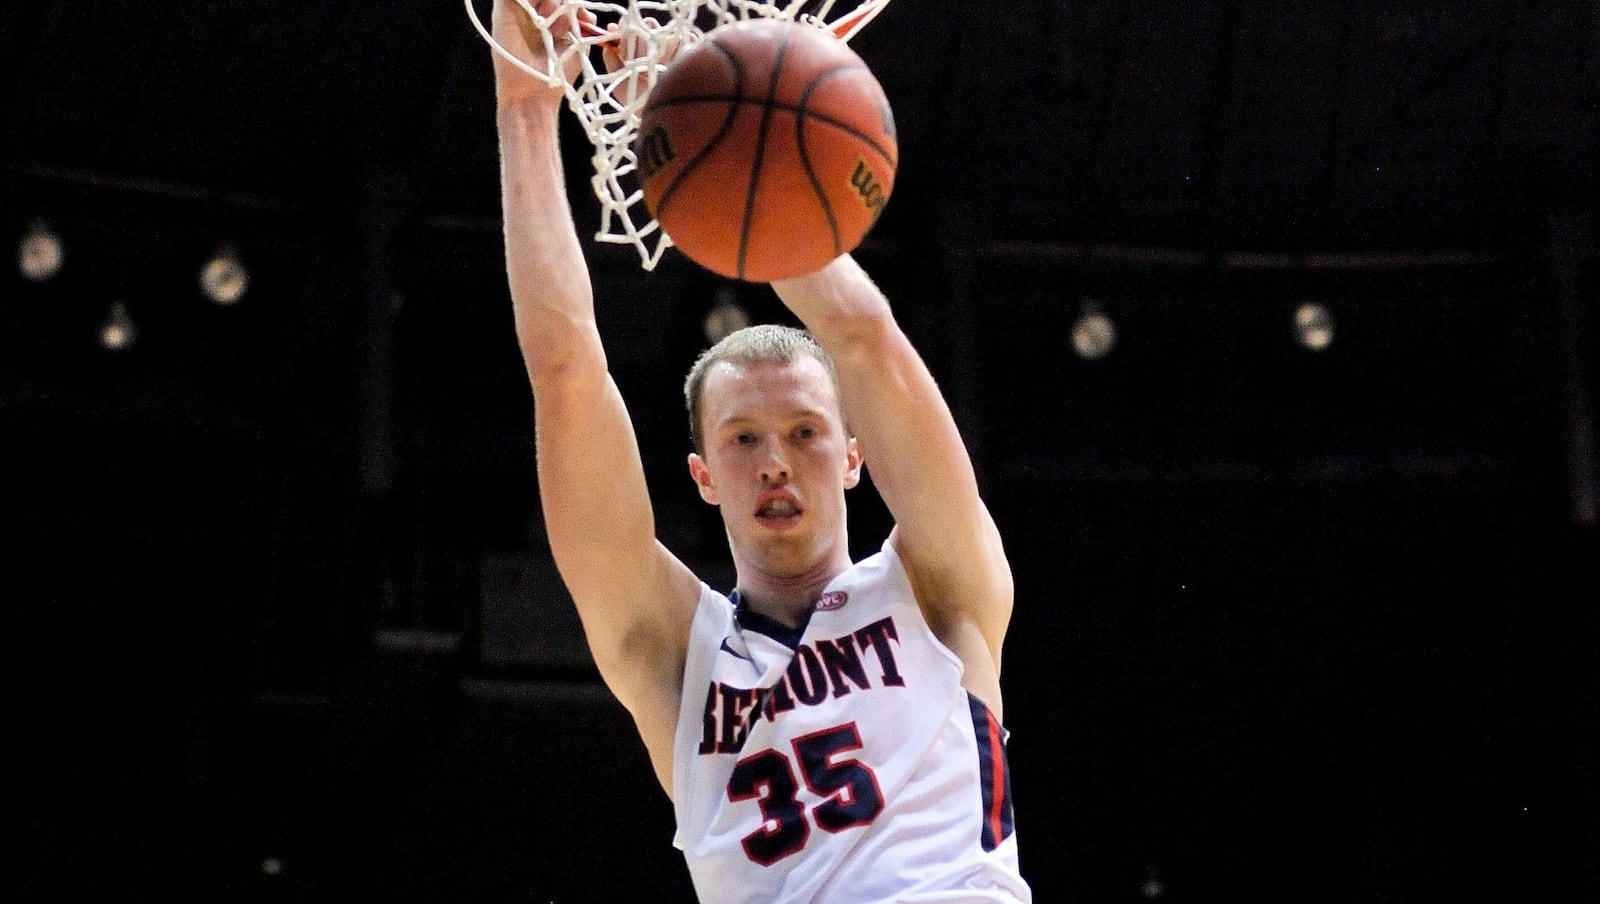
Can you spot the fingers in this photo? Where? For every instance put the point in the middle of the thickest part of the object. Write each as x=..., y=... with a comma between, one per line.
x=635, y=44
x=538, y=43
x=534, y=17
x=566, y=30
x=610, y=55
x=625, y=45
x=670, y=47
x=511, y=16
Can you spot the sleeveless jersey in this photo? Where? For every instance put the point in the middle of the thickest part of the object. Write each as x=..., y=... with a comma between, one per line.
x=843, y=763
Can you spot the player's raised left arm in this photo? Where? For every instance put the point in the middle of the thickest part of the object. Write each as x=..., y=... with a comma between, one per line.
x=919, y=463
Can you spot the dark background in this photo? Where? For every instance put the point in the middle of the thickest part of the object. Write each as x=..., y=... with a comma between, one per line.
x=1291, y=625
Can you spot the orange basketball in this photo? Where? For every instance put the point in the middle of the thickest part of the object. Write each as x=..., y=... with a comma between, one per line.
x=766, y=150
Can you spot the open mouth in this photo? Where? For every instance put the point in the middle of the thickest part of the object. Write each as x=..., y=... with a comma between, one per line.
x=778, y=512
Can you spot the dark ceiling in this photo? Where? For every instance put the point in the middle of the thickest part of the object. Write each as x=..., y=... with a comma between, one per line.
x=1285, y=126
x=1292, y=625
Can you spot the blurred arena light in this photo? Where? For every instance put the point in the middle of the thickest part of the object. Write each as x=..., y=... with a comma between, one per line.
x=1094, y=334
x=1152, y=887
x=224, y=279
x=725, y=317
x=118, y=332
x=1313, y=326
x=39, y=254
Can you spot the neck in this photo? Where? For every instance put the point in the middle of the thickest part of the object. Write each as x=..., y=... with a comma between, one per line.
x=787, y=599
x=782, y=579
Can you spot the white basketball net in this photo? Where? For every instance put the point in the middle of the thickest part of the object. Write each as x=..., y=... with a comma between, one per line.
x=608, y=104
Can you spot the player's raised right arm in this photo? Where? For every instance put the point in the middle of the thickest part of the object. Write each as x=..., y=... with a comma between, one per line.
x=634, y=598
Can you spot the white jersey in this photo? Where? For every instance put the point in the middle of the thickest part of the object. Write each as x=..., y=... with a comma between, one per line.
x=842, y=763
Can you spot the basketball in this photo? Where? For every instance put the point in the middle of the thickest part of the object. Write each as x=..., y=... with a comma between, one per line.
x=766, y=150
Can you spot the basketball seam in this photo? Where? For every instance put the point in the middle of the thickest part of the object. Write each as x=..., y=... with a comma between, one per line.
x=722, y=132
x=800, y=119
x=779, y=106
x=760, y=152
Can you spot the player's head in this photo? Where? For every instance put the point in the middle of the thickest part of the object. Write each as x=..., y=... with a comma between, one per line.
x=772, y=450
x=763, y=343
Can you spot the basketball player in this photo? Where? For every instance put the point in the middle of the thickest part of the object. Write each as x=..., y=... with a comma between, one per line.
x=828, y=732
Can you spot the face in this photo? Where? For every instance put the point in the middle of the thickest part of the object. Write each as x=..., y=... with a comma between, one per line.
x=777, y=461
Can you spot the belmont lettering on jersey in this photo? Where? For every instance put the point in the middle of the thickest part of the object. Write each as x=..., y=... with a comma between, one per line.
x=818, y=671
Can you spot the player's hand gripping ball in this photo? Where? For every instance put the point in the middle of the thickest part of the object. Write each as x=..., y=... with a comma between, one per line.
x=767, y=150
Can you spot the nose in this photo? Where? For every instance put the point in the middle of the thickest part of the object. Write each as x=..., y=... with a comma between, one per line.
x=774, y=467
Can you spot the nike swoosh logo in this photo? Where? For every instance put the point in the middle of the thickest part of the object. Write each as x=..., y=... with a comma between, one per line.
x=735, y=653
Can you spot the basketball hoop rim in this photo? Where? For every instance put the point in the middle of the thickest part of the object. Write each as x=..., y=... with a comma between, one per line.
x=610, y=118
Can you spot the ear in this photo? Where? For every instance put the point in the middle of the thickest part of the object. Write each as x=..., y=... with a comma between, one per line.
x=853, y=463
x=702, y=478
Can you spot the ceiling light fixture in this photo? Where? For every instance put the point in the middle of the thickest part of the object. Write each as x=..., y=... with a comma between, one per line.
x=1313, y=326
x=1094, y=334
x=39, y=254
x=725, y=317
x=224, y=279
x=118, y=332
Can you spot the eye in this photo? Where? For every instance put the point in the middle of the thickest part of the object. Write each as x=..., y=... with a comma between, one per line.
x=744, y=439
x=805, y=432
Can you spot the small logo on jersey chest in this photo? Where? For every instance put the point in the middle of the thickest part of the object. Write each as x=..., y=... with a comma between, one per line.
x=728, y=648
x=833, y=599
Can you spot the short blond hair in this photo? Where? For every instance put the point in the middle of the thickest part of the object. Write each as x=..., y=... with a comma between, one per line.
x=764, y=343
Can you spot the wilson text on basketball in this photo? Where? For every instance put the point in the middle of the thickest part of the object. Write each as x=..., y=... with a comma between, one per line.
x=655, y=151
x=869, y=188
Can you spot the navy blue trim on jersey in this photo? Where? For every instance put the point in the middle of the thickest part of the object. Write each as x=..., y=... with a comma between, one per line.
x=993, y=774
x=751, y=620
